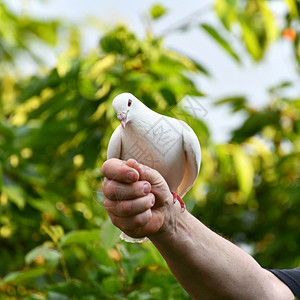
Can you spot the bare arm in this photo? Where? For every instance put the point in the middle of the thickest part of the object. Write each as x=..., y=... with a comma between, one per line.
x=206, y=265
x=210, y=267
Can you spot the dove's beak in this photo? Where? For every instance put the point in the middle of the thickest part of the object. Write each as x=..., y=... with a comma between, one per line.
x=123, y=118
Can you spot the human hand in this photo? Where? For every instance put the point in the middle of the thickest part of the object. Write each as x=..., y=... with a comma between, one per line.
x=136, y=197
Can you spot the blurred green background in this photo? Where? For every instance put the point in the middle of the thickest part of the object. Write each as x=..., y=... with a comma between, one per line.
x=56, y=241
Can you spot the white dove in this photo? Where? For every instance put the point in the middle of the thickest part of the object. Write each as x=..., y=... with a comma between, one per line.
x=166, y=144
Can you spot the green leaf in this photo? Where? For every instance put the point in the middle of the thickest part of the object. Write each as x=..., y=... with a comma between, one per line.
x=20, y=276
x=152, y=256
x=35, y=297
x=226, y=11
x=157, y=11
x=101, y=256
x=86, y=88
x=237, y=103
x=80, y=237
x=43, y=205
x=83, y=186
x=220, y=40
x=281, y=86
x=110, y=234
x=251, y=41
x=271, y=28
x=254, y=124
x=51, y=256
x=168, y=94
x=64, y=65
x=55, y=232
x=15, y=194
x=292, y=5
x=201, y=68
x=244, y=170
x=47, y=31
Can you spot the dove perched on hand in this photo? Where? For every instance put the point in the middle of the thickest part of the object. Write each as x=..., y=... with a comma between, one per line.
x=165, y=144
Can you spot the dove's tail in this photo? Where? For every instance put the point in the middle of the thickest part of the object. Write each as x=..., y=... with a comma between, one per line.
x=129, y=239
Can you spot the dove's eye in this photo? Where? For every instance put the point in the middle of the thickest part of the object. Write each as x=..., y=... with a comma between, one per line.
x=129, y=102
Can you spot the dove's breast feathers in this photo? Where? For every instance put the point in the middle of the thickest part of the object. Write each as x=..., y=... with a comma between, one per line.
x=168, y=145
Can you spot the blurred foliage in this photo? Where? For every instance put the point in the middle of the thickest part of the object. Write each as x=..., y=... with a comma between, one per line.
x=255, y=20
x=56, y=241
x=19, y=35
x=157, y=11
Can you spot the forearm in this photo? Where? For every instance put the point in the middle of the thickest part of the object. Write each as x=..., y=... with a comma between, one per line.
x=209, y=266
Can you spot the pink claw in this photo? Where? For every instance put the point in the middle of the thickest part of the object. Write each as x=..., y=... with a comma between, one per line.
x=176, y=197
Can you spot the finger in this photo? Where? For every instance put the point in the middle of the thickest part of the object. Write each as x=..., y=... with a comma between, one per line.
x=132, y=222
x=118, y=170
x=126, y=208
x=115, y=190
x=145, y=172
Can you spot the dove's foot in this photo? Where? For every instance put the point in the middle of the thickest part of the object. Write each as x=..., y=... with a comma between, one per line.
x=176, y=197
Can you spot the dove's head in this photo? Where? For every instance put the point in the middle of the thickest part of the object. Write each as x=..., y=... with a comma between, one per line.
x=126, y=107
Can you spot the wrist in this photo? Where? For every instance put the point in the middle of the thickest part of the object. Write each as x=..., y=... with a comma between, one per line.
x=173, y=225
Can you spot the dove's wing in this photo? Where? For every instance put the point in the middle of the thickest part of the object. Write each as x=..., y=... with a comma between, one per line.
x=192, y=153
x=114, y=149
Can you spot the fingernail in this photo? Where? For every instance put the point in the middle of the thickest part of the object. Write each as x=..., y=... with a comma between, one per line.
x=130, y=175
x=146, y=188
x=152, y=199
